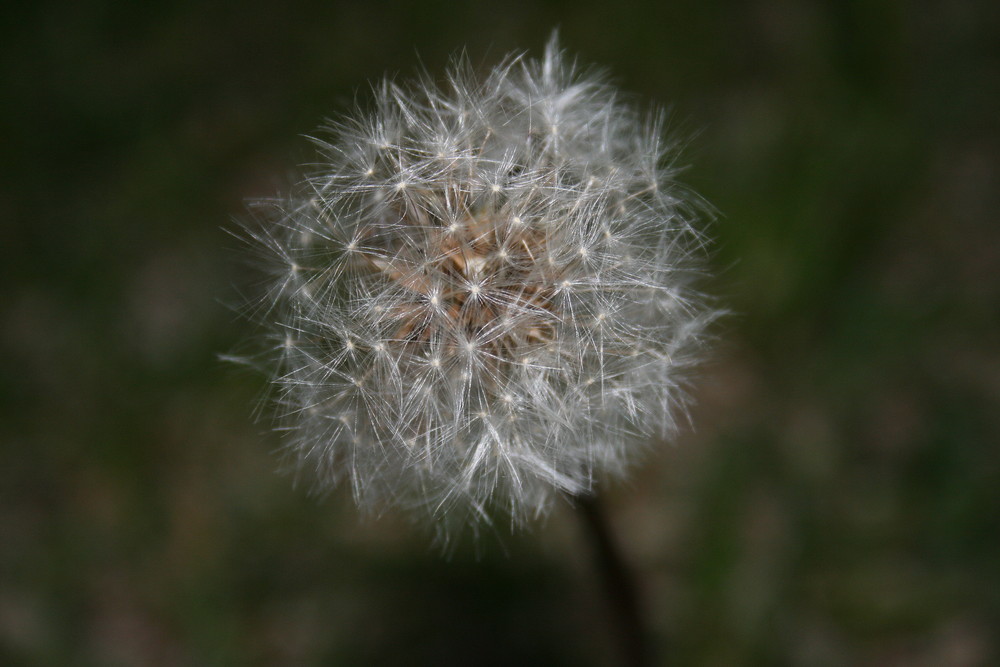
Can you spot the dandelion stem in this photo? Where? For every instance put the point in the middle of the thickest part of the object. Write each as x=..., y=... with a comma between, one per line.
x=619, y=584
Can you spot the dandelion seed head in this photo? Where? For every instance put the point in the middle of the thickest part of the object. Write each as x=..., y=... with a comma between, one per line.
x=489, y=303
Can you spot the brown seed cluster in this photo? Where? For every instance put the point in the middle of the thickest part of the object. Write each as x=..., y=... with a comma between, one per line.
x=475, y=285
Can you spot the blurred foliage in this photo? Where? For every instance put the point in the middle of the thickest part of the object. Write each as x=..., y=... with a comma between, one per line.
x=838, y=502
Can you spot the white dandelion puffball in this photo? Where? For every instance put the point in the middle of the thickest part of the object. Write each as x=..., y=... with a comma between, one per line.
x=483, y=297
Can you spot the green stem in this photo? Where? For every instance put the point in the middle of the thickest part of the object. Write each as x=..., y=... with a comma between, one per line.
x=619, y=585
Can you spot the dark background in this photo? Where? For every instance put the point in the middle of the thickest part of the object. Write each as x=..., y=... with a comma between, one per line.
x=837, y=503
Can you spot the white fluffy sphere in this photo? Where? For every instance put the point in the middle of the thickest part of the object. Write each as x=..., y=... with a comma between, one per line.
x=483, y=298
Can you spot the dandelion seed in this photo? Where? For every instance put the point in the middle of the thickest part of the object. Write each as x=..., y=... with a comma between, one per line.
x=461, y=264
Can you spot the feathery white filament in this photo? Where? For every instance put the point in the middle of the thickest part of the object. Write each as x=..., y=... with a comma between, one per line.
x=485, y=297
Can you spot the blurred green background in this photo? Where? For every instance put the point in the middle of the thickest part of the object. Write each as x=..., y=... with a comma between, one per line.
x=837, y=503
